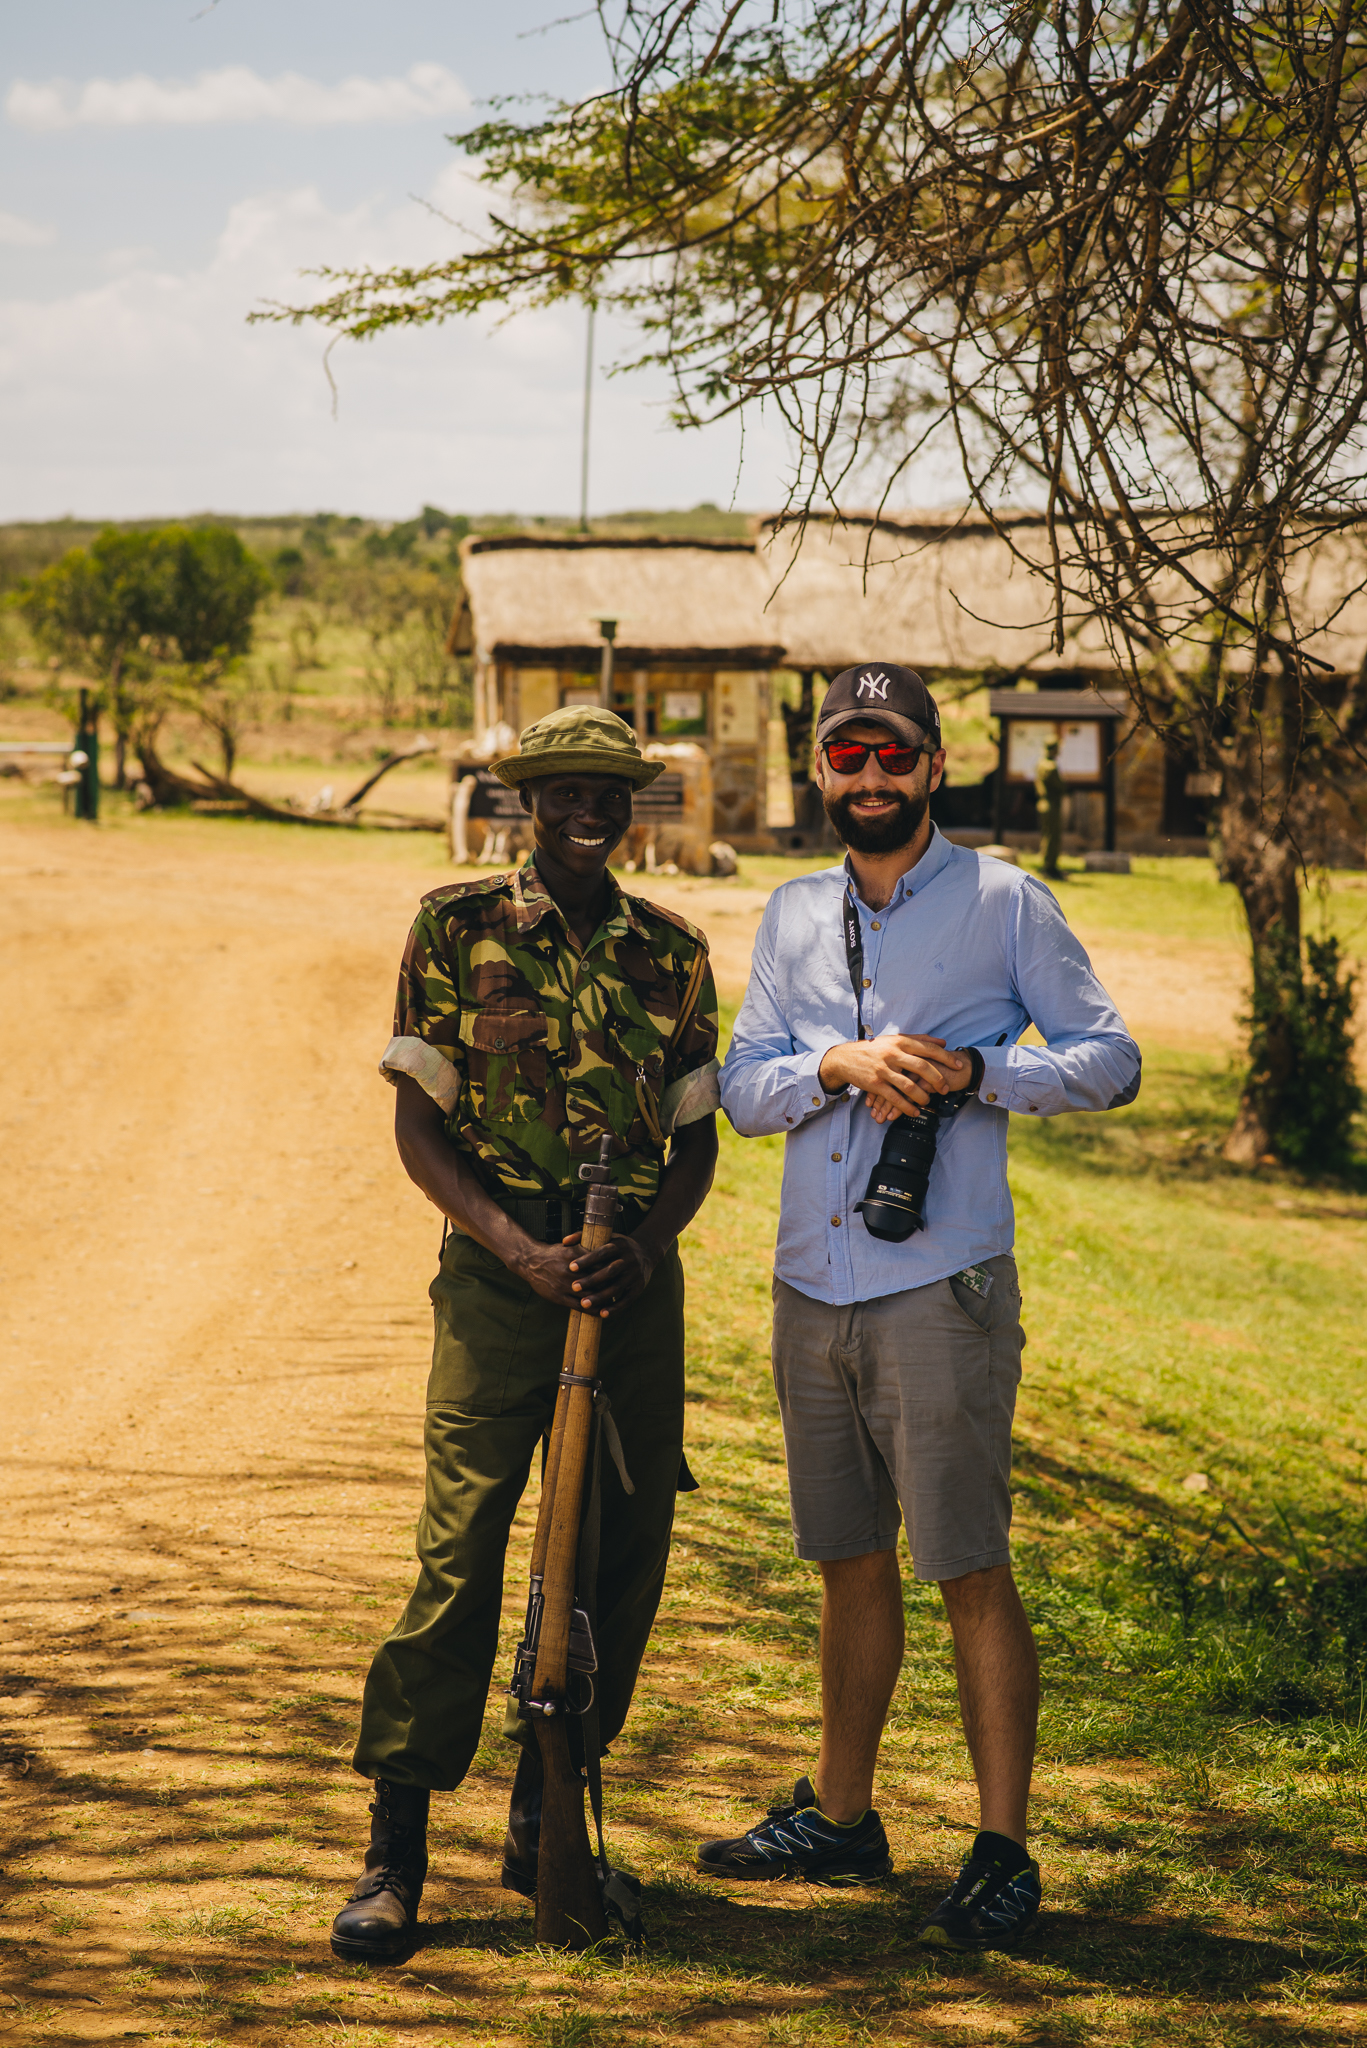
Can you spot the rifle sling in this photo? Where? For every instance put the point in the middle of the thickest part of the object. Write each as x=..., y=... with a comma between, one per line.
x=618, y=1897
x=589, y=1533
x=602, y=1408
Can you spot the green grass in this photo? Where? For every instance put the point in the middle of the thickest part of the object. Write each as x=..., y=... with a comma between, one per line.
x=1200, y=1801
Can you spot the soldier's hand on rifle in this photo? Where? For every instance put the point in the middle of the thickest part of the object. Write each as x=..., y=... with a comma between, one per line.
x=612, y=1276
x=547, y=1269
x=596, y=1282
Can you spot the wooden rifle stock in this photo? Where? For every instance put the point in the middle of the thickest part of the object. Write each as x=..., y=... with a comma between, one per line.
x=569, y=1903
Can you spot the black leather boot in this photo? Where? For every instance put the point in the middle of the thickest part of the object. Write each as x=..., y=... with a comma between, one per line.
x=379, y=1922
x=523, y=1841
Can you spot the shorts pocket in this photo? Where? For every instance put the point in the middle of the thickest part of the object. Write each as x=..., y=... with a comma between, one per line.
x=505, y=1062
x=999, y=1306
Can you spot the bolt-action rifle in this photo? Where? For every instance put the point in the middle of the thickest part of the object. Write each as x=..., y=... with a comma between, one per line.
x=558, y=1641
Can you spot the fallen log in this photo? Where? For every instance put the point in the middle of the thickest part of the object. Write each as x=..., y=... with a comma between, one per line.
x=257, y=806
x=413, y=753
x=284, y=814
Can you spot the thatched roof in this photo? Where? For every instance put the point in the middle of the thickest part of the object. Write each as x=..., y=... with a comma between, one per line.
x=931, y=590
x=941, y=591
x=675, y=601
x=924, y=590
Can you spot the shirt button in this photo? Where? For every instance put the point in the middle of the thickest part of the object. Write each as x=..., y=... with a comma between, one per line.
x=867, y=982
x=875, y=926
x=836, y=1221
x=1034, y=1110
x=816, y=1102
x=991, y=1098
x=836, y=1157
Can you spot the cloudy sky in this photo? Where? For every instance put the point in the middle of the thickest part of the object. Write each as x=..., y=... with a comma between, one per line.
x=166, y=165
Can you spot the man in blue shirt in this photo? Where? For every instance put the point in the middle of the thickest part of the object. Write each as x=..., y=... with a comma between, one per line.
x=904, y=978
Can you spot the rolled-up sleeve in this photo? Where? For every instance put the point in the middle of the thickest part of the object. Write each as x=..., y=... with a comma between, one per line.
x=1088, y=1060
x=691, y=1090
x=426, y=1042
x=769, y=1084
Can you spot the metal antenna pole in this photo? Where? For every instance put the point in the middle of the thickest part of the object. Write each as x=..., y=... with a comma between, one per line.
x=608, y=629
x=584, y=446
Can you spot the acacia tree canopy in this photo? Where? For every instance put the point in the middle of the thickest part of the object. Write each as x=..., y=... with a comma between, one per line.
x=1108, y=260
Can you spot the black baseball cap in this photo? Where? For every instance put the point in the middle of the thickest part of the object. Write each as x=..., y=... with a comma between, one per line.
x=883, y=693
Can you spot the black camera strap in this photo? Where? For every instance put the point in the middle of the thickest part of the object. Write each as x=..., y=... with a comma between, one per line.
x=854, y=954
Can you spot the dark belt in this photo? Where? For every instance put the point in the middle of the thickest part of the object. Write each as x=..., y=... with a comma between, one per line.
x=551, y=1218
x=547, y=1218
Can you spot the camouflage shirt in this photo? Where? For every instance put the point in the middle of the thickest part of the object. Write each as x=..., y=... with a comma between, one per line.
x=534, y=1049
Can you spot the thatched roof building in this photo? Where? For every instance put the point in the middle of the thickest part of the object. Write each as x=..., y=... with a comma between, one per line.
x=936, y=592
x=691, y=649
x=945, y=592
x=538, y=602
x=700, y=625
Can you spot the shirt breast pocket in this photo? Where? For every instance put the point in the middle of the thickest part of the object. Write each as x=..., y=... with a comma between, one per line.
x=505, y=1062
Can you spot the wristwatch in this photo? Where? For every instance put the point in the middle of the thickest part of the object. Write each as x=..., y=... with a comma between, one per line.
x=979, y=1065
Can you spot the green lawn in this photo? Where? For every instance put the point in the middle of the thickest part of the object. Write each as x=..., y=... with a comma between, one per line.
x=1199, y=1805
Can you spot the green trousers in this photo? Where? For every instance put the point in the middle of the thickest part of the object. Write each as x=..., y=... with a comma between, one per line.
x=496, y=1358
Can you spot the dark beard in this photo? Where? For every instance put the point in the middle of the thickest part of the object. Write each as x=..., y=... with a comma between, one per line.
x=895, y=831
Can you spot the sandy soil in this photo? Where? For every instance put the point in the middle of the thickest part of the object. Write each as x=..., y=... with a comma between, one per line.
x=214, y=1330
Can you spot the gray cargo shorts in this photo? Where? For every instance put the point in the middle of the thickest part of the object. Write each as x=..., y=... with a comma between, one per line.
x=902, y=1406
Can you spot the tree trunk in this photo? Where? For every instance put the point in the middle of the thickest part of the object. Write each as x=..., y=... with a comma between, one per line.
x=1262, y=863
x=168, y=789
x=118, y=712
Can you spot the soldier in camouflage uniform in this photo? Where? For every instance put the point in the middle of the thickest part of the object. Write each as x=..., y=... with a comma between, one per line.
x=536, y=1011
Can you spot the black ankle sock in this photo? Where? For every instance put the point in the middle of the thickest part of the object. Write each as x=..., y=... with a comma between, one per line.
x=998, y=1850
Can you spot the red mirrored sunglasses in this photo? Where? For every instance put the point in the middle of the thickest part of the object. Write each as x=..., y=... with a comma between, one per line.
x=894, y=757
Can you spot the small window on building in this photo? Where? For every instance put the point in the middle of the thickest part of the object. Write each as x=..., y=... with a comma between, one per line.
x=683, y=714
x=1079, y=753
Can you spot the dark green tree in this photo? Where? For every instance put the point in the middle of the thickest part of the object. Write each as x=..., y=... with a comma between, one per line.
x=154, y=617
x=98, y=610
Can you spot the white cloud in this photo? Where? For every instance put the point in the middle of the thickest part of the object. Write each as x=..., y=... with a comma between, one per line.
x=16, y=233
x=235, y=93
x=147, y=394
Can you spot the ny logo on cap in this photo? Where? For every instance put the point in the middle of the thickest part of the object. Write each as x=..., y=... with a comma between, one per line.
x=876, y=685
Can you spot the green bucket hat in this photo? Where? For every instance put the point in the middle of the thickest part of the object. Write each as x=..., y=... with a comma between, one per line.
x=578, y=738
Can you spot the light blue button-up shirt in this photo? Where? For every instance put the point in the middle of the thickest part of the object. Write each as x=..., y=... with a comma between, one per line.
x=970, y=950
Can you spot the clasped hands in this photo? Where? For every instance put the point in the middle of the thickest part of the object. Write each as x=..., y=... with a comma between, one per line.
x=596, y=1282
x=897, y=1073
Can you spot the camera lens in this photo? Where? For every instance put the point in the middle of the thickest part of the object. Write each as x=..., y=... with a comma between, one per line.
x=895, y=1199
x=894, y=1203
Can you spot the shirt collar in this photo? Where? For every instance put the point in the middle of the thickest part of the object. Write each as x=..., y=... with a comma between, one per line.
x=532, y=901
x=936, y=856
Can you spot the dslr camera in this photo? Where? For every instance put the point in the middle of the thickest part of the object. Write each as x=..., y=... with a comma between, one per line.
x=894, y=1203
